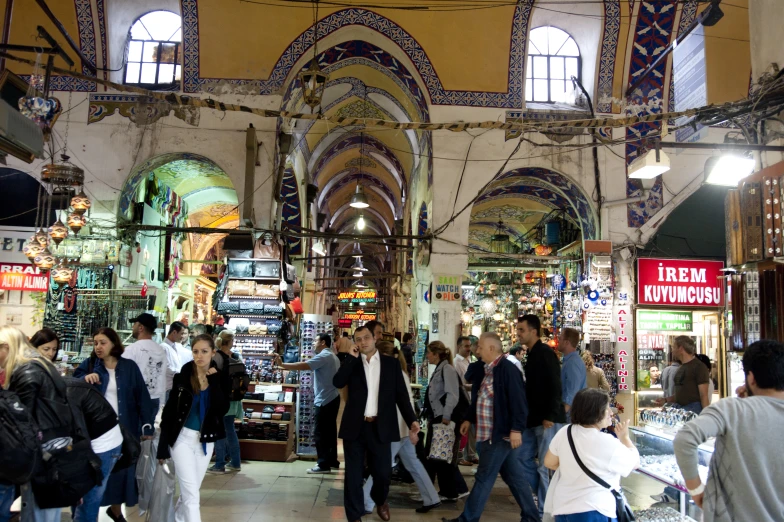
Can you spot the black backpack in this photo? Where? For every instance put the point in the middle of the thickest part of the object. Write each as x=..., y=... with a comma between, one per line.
x=20, y=453
x=238, y=374
x=66, y=474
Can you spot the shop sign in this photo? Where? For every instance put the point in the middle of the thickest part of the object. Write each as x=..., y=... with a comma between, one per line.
x=448, y=288
x=27, y=278
x=368, y=296
x=664, y=321
x=359, y=315
x=624, y=350
x=680, y=282
x=344, y=323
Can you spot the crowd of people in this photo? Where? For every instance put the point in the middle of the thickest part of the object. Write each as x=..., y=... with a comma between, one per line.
x=538, y=421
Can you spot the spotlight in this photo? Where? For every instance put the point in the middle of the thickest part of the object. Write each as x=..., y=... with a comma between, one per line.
x=359, y=199
x=728, y=169
x=652, y=164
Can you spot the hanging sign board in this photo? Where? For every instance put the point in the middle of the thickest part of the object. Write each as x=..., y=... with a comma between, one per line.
x=680, y=282
x=27, y=278
x=368, y=296
x=447, y=288
x=360, y=315
x=624, y=348
x=664, y=321
x=344, y=323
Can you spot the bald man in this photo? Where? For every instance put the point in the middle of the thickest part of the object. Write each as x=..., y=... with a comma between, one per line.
x=499, y=410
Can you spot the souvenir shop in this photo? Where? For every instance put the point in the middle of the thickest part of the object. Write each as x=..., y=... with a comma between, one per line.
x=678, y=297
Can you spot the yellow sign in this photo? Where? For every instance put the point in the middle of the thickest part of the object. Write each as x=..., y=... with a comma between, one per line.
x=368, y=296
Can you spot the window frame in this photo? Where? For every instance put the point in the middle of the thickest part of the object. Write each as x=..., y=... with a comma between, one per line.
x=175, y=84
x=549, y=58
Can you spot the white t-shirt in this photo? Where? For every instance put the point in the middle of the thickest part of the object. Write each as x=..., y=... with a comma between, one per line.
x=601, y=453
x=111, y=391
x=151, y=359
x=112, y=438
x=176, y=357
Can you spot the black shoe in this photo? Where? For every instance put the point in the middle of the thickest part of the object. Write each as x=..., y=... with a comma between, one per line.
x=110, y=513
x=444, y=519
x=425, y=509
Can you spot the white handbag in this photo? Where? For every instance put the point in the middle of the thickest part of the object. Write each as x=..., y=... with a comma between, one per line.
x=443, y=444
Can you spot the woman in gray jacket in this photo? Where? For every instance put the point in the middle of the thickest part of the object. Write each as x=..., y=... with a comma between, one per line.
x=443, y=396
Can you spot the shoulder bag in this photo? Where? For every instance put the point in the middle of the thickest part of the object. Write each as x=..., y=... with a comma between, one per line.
x=622, y=510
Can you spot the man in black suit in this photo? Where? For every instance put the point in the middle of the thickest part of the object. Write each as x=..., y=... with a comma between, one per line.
x=376, y=390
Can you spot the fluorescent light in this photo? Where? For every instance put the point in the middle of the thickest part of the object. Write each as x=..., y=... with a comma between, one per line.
x=648, y=166
x=361, y=222
x=729, y=170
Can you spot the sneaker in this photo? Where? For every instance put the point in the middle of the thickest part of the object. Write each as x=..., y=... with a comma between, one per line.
x=463, y=495
x=216, y=471
x=662, y=498
x=447, y=499
x=229, y=467
x=317, y=470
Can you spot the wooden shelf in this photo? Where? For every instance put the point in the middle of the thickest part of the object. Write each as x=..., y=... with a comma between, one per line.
x=270, y=403
x=265, y=441
x=255, y=298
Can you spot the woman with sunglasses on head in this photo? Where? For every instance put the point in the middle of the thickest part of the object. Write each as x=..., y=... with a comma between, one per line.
x=121, y=382
x=192, y=422
x=47, y=343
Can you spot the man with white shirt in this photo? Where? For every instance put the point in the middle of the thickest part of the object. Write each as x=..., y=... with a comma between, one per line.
x=463, y=357
x=515, y=356
x=369, y=426
x=149, y=356
x=176, y=355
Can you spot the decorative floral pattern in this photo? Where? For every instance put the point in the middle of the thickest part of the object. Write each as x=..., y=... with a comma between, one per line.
x=612, y=27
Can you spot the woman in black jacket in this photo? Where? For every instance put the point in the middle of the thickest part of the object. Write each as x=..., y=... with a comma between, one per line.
x=192, y=421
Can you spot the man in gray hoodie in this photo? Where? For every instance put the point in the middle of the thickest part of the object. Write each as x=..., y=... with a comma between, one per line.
x=744, y=481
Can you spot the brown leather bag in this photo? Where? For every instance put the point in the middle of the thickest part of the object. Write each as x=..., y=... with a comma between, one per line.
x=241, y=287
x=270, y=251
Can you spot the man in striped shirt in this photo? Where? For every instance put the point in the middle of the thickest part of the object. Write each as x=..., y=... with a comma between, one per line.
x=499, y=411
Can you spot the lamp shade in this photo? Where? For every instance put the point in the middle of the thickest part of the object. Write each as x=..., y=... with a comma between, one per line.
x=357, y=253
x=313, y=81
x=58, y=232
x=44, y=261
x=76, y=222
x=359, y=199
x=61, y=273
x=32, y=248
x=81, y=203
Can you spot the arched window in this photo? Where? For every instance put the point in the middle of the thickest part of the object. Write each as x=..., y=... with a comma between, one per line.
x=155, y=51
x=553, y=58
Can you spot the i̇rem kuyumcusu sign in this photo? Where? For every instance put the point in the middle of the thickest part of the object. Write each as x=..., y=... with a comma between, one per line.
x=360, y=315
x=664, y=321
x=680, y=282
x=368, y=296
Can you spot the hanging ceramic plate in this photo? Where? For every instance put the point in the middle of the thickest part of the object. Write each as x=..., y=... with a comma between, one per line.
x=593, y=295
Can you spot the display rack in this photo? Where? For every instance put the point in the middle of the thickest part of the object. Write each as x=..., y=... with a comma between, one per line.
x=310, y=326
x=657, y=460
x=266, y=432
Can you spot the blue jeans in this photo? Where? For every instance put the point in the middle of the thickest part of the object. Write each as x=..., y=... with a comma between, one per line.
x=695, y=407
x=32, y=513
x=7, y=492
x=499, y=457
x=536, y=442
x=88, y=510
x=231, y=442
x=407, y=453
x=587, y=516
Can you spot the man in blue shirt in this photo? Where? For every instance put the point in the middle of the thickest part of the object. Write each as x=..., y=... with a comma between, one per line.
x=573, y=374
x=325, y=365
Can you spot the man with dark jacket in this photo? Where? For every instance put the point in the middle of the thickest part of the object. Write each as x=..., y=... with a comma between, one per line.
x=499, y=411
x=545, y=405
x=377, y=390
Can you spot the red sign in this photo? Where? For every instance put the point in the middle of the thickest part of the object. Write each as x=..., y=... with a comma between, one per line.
x=27, y=278
x=680, y=282
x=344, y=323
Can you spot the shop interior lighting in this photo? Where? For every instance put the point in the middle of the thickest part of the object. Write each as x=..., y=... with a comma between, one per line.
x=357, y=274
x=652, y=164
x=357, y=253
x=359, y=199
x=361, y=222
x=318, y=247
x=729, y=169
x=358, y=266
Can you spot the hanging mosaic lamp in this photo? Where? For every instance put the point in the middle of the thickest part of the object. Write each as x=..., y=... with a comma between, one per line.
x=58, y=232
x=32, y=248
x=44, y=261
x=42, y=237
x=76, y=222
x=81, y=203
x=61, y=273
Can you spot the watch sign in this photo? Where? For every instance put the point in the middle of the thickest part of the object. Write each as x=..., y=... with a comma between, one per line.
x=680, y=282
x=448, y=288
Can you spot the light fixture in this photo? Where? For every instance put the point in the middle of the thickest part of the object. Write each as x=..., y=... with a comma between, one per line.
x=361, y=222
x=728, y=169
x=44, y=261
x=499, y=242
x=32, y=248
x=358, y=266
x=61, y=273
x=81, y=203
x=650, y=165
x=58, y=232
x=76, y=222
x=357, y=253
x=357, y=274
x=318, y=247
x=359, y=199
x=313, y=79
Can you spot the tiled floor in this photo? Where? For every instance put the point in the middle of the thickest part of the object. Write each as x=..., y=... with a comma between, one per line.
x=284, y=492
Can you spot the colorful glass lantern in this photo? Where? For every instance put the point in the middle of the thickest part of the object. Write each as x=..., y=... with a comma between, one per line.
x=76, y=222
x=32, y=248
x=44, y=261
x=81, y=203
x=61, y=273
x=58, y=232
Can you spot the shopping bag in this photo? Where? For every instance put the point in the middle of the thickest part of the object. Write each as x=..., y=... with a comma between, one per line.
x=145, y=472
x=549, y=503
x=443, y=443
x=162, y=501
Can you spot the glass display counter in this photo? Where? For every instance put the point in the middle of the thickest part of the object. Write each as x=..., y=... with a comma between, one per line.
x=657, y=457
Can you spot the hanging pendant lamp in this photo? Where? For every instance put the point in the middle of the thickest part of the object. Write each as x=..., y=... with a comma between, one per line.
x=358, y=266
x=81, y=203
x=313, y=79
x=32, y=248
x=357, y=253
x=359, y=199
x=61, y=273
x=44, y=261
x=58, y=232
x=76, y=222
x=361, y=222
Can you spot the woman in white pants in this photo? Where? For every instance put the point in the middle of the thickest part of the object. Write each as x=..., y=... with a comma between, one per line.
x=192, y=421
x=404, y=448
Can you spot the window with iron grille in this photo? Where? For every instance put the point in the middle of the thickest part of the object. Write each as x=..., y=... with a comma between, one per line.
x=154, y=52
x=553, y=58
